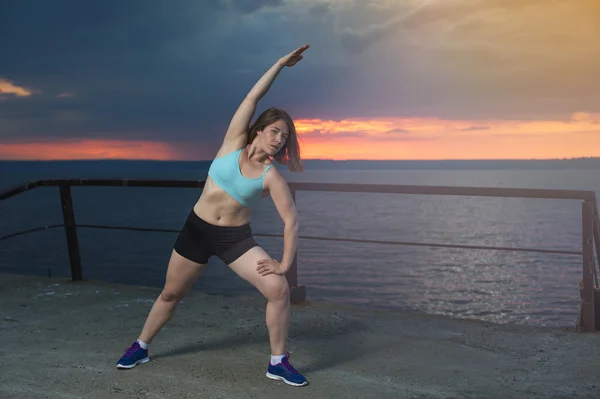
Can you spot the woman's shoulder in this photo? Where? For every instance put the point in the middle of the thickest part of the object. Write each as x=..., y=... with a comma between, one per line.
x=272, y=173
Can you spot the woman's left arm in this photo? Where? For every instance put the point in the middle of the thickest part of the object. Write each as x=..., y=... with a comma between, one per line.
x=284, y=203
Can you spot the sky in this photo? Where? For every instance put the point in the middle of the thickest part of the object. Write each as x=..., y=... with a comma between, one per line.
x=383, y=79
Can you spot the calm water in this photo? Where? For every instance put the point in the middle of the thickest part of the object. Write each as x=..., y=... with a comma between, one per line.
x=500, y=286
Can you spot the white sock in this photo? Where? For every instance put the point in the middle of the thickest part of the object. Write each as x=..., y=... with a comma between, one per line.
x=276, y=359
x=143, y=345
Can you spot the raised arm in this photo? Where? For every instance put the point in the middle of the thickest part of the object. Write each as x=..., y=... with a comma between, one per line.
x=238, y=127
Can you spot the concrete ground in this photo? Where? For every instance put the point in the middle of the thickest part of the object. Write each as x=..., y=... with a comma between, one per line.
x=60, y=339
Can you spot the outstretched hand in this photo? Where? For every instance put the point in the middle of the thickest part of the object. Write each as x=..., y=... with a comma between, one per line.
x=292, y=58
x=269, y=266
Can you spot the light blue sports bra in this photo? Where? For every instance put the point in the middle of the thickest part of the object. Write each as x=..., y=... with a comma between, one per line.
x=225, y=172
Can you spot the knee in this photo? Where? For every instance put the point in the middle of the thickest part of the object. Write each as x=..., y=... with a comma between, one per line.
x=172, y=296
x=278, y=290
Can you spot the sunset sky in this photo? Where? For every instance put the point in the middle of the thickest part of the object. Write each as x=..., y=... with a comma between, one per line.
x=383, y=79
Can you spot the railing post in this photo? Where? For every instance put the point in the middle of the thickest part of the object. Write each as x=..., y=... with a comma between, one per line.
x=596, y=236
x=297, y=293
x=588, y=315
x=70, y=230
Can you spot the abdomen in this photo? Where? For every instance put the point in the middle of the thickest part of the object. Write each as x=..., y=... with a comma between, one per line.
x=217, y=207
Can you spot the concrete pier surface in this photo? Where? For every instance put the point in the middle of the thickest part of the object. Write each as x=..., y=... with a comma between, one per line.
x=62, y=339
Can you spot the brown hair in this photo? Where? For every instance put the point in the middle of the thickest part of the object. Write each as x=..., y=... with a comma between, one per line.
x=290, y=153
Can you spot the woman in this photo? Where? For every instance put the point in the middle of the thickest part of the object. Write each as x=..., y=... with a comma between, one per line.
x=240, y=175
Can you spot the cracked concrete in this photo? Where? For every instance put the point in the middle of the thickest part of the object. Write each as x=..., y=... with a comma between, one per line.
x=61, y=339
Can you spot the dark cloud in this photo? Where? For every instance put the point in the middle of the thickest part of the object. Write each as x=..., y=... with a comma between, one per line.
x=247, y=6
x=112, y=69
x=358, y=40
x=474, y=59
x=176, y=71
x=456, y=10
x=475, y=128
x=46, y=37
x=319, y=9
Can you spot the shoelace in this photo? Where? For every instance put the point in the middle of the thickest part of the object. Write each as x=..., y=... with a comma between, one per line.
x=132, y=349
x=287, y=365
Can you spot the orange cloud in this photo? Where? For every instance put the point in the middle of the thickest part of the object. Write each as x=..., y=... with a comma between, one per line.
x=371, y=139
x=7, y=87
x=88, y=149
x=431, y=138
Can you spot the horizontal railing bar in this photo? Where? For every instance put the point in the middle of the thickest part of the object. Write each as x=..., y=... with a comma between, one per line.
x=157, y=183
x=447, y=190
x=324, y=187
x=165, y=183
x=355, y=240
x=20, y=189
x=95, y=226
x=31, y=231
x=422, y=244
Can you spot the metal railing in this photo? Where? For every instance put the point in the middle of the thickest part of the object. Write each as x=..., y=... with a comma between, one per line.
x=588, y=315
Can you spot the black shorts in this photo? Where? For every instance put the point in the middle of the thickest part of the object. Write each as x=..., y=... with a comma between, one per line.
x=199, y=240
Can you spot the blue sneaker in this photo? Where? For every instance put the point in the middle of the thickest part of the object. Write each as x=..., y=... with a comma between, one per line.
x=133, y=356
x=285, y=372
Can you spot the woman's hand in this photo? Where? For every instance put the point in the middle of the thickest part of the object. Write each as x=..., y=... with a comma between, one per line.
x=292, y=58
x=270, y=266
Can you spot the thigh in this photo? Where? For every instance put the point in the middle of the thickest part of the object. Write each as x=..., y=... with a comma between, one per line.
x=182, y=273
x=245, y=267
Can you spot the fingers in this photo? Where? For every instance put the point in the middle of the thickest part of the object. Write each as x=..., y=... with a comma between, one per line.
x=295, y=56
x=264, y=267
x=264, y=270
x=267, y=266
x=301, y=49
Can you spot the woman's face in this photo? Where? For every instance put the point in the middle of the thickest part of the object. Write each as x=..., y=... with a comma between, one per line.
x=274, y=137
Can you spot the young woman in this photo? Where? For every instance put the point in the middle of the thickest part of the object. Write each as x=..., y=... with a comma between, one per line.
x=219, y=224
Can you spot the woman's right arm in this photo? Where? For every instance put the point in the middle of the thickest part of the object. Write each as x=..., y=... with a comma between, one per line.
x=242, y=117
x=238, y=127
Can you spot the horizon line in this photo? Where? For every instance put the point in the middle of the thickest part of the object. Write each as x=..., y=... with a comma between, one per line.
x=307, y=159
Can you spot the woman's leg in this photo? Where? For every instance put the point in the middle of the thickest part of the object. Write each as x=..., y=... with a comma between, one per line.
x=181, y=275
x=275, y=288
